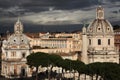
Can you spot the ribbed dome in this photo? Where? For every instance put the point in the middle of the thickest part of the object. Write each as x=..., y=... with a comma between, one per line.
x=18, y=39
x=100, y=25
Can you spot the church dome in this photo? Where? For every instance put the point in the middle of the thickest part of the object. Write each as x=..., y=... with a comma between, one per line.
x=100, y=25
x=18, y=39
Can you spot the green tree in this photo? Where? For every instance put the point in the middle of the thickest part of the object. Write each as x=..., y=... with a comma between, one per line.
x=110, y=71
x=73, y=65
x=94, y=69
x=54, y=61
x=105, y=70
x=78, y=66
x=38, y=59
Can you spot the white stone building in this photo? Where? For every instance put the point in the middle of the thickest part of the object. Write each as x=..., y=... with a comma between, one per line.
x=62, y=43
x=98, y=41
x=14, y=52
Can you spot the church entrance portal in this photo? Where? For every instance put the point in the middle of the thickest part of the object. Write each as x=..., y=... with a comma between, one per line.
x=23, y=72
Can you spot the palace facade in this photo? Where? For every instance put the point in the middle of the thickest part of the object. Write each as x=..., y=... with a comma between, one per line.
x=61, y=44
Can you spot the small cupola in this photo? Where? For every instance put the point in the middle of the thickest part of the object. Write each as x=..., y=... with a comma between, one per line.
x=18, y=27
x=100, y=13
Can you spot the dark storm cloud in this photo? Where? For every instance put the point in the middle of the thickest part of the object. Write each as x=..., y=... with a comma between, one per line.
x=114, y=0
x=14, y=8
x=35, y=5
x=31, y=11
x=44, y=5
x=11, y=8
x=59, y=4
x=116, y=12
x=11, y=3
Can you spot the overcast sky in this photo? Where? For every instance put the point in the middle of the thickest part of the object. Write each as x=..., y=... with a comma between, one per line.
x=47, y=12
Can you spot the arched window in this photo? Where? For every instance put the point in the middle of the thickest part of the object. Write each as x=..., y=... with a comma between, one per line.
x=108, y=41
x=23, y=55
x=89, y=41
x=99, y=41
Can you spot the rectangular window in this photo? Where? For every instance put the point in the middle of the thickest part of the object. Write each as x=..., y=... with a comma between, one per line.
x=108, y=41
x=99, y=41
x=13, y=54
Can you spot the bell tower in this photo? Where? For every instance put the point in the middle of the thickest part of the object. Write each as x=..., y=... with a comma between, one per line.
x=18, y=27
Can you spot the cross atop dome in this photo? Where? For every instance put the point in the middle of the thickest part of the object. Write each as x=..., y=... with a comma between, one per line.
x=18, y=27
x=100, y=13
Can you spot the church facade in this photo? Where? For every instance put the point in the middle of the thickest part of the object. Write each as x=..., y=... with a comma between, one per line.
x=98, y=41
x=14, y=52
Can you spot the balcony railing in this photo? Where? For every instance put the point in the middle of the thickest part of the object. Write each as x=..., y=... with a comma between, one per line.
x=14, y=59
